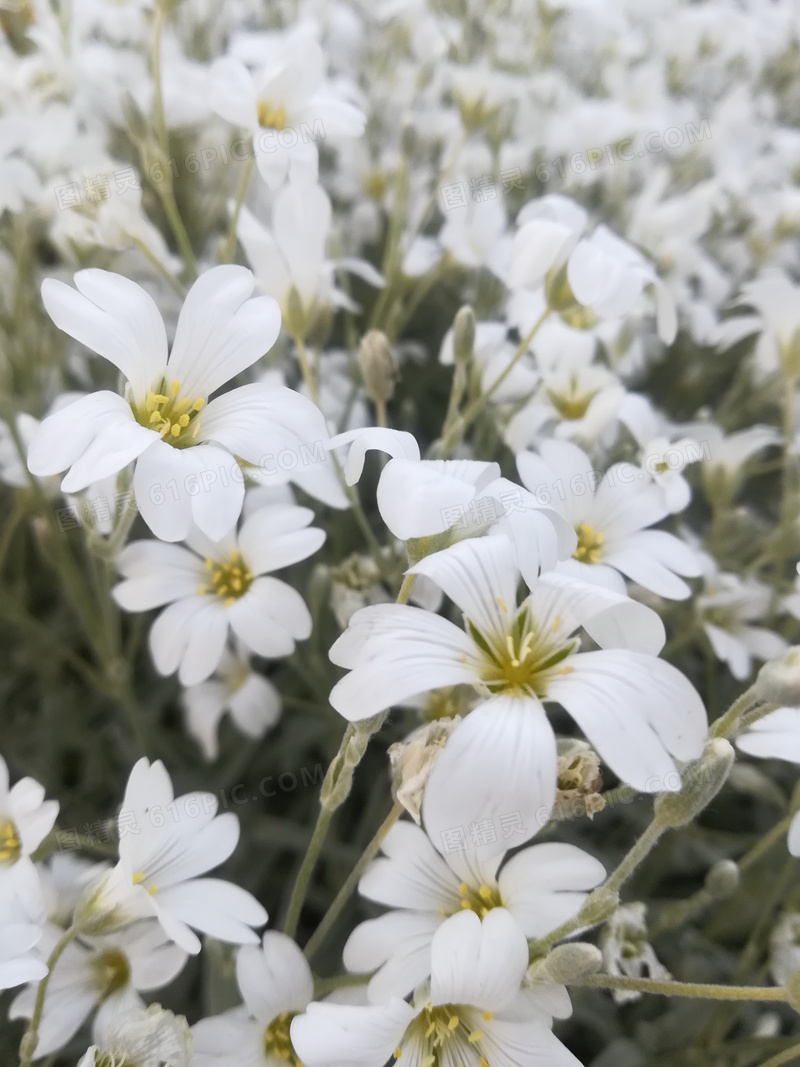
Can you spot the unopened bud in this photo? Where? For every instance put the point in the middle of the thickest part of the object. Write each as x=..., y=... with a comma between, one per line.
x=598, y=906
x=778, y=681
x=413, y=760
x=565, y=964
x=722, y=880
x=701, y=783
x=378, y=366
x=295, y=316
x=463, y=335
x=339, y=779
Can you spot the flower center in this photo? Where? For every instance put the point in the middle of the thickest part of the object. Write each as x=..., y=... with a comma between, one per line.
x=10, y=847
x=590, y=544
x=277, y=1041
x=444, y=1034
x=111, y=972
x=229, y=580
x=570, y=404
x=375, y=184
x=139, y=878
x=271, y=118
x=170, y=414
x=524, y=661
x=480, y=900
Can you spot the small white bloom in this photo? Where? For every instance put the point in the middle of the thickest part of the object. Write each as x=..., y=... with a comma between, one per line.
x=610, y=515
x=213, y=587
x=165, y=844
x=141, y=1037
x=26, y=819
x=727, y=609
x=186, y=449
x=627, y=953
x=283, y=106
x=474, y=1010
x=276, y=985
x=541, y=887
x=252, y=700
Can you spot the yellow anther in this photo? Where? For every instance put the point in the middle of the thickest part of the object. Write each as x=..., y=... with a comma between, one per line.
x=483, y=1062
x=175, y=430
x=488, y=1016
x=155, y=416
x=398, y=1052
x=454, y=1022
x=175, y=388
x=151, y=891
x=564, y=670
x=476, y=1035
x=463, y=889
x=430, y=1029
x=429, y=1061
x=556, y=621
x=485, y=892
x=137, y=878
x=183, y=422
x=466, y=905
x=270, y=117
x=198, y=404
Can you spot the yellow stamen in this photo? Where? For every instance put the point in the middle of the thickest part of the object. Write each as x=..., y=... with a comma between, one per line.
x=476, y=1035
x=502, y=605
x=453, y=1024
x=175, y=388
x=488, y=1016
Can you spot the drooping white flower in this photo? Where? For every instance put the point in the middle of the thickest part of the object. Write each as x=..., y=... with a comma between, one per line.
x=627, y=952
x=474, y=1011
x=422, y=498
x=284, y=106
x=252, y=700
x=276, y=984
x=541, y=887
x=26, y=819
x=141, y=1037
x=165, y=845
x=636, y=710
x=213, y=587
x=610, y=514
x=104, y=974
x=186, y=449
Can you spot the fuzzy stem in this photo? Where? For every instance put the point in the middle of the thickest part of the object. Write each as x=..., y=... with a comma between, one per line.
x=684, y=989
x=27, y=1048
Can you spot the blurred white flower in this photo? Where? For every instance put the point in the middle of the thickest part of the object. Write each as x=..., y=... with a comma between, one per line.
x=26, y=819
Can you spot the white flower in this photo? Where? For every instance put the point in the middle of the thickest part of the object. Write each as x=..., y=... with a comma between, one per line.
x=549, y=228
x=777, y=301
x=626, y=951
x=610, y=515
x=104, y=973
x=477, y=237
x=609, y=276
x=421, y=498
x=283, y=106
x=634, y=708
x=252, y=700
x=165, y=844
x=541, y=887
x=276, y=984
x=727, y=607
x=140, y=1037
x=776, y=736
x=289, y=261
x=474, y=1012
x=18, y=938
x=213, y=587
x=26, y=819
x=186, y=449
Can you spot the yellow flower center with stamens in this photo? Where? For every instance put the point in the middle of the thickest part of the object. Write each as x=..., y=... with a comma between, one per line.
x=524, y=660
x=170, y=414
x=111, y=972
x=590, y=544
x=375, y=184
x=442, y=1033
x=271, y=118
x=10, y=847
x=277, y=1041
x=229, y=580
x=480, y=900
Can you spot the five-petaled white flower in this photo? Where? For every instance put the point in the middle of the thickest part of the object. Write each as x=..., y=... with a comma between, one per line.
x=26, y=819
x=637, y=711
x=474, y=1012
x=165, y=844
x=212, y=587
x=187, y=449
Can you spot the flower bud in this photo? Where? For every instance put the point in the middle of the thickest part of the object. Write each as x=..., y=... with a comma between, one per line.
x=413, y=760
x=566, y=963
x=778, y=681
x=378, y=366
x=701, y=783
x=463, y=335
x=722, y=880
x=598, y=906
x=339, y=779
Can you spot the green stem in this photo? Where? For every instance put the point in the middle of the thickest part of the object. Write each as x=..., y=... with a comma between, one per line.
x=453, y=434
x=405, y=589
x=637, y=854
x=684, y=989
x=307, y=867
x=226, y=253
x=765, y=844
x=352, y=881
x=783, y=1057
x=27, y=1048
x=725, y=725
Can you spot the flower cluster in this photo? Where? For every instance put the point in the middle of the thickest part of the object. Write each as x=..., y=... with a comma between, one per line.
x=413, y=384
